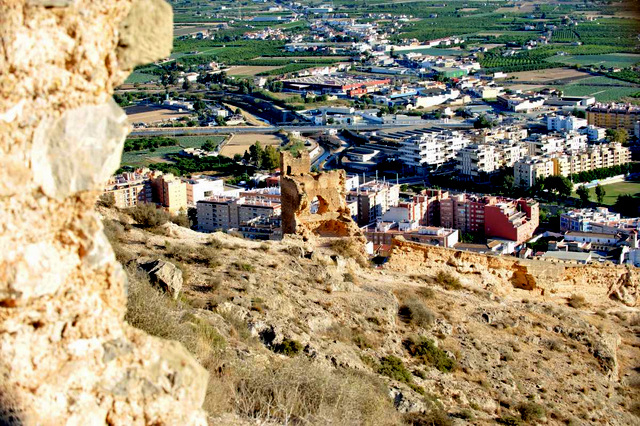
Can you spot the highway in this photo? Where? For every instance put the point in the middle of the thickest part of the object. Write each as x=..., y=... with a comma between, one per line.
x=180, y=131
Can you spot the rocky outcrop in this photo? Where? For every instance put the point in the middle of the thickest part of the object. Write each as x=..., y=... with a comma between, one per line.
x=502, y=273
x=67, y=355
x=165, y=275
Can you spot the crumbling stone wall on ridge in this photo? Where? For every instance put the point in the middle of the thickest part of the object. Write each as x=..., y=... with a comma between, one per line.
x=66, y=355
x=299, y=189
x=503, y=273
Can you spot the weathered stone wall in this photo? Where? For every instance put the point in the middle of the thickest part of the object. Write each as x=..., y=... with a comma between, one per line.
x=66, y=355
x=502, y=273
x=299, y=189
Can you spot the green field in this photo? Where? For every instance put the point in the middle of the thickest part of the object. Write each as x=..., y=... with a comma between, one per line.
x=436, y=51
x=146, y=157
x=139, y=77
x=197, y=141
x=615, y=189
x=604, y=89
x=619, y=60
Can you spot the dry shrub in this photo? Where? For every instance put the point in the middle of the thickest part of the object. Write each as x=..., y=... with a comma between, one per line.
x=297, y=391
x=415, y=313
x=431, y=418
x=149, y=216
x=161, y=316
x=448, y=280
x=348, y=247
x=577, y=301
x=114, y=231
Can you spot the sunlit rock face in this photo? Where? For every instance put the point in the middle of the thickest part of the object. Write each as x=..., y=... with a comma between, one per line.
x=66, y=355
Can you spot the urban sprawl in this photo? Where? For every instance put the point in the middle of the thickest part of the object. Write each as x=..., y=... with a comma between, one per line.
x=461, y=139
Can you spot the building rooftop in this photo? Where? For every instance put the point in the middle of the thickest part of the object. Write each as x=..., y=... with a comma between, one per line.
x=567, y=256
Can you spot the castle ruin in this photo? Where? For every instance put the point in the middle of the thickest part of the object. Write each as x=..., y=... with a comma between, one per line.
x=300, y=189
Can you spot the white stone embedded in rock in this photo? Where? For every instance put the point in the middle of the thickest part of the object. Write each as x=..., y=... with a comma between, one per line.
x=80, y=150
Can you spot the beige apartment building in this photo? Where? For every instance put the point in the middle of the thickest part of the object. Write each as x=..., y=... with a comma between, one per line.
x=614, y=116
x=129, y=189
x=528, y=170
x=170, y=192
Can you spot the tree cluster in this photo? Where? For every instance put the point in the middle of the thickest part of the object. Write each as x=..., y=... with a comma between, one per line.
x=139, y=144
x=263, y=158
x=605, y=172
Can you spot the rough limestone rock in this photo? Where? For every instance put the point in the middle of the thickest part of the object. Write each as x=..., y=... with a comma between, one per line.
x=68, y=357
x=146, y=34
x=166, y=275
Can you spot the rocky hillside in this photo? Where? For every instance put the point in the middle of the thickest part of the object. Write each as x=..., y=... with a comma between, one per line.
x=295, y=333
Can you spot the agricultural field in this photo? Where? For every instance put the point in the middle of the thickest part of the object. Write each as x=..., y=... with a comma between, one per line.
x=148, y=156
x=249, y=70
x=197, y=141
x=140, y=77
x=542, y=76
x=604, y=89
x=239, y=143
x=150, y=114
x=615, y=189
x=618, y=60
x=159, y=155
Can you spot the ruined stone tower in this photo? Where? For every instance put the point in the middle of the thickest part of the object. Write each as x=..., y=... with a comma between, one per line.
x=66, y=355
x=300, y=189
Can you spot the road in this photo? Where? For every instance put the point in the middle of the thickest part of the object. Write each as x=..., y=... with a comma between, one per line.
x=178, y=131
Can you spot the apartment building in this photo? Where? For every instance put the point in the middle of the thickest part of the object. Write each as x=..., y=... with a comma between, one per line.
x=514, y=220
x=494, y=217
x=129, y=189
x=569, y=123
x=200, y=188
x=513, y=134
x=170, y=192
x=594, y=133
x=477, y=159
x=224, y=212
x=539, y=144
x=582, y=219
x=614, y=116
x=432, y=149
x=529, y=169
x=374, y=199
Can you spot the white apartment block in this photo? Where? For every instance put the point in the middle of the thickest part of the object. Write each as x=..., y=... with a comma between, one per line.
x=476, y=159
x=530, y=169
x=559, y=123
x=203, y=187
x=594, y=133
x=432, y=149
x=509, y=152
x=539, y=145
x=374, y=199
x=575, y=141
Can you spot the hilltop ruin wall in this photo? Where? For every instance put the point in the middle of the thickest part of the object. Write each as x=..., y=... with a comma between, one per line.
x=503, y=273
x=300, y=188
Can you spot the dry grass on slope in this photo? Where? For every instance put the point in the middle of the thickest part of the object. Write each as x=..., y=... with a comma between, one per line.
x=276, y=391
x=292, y=335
